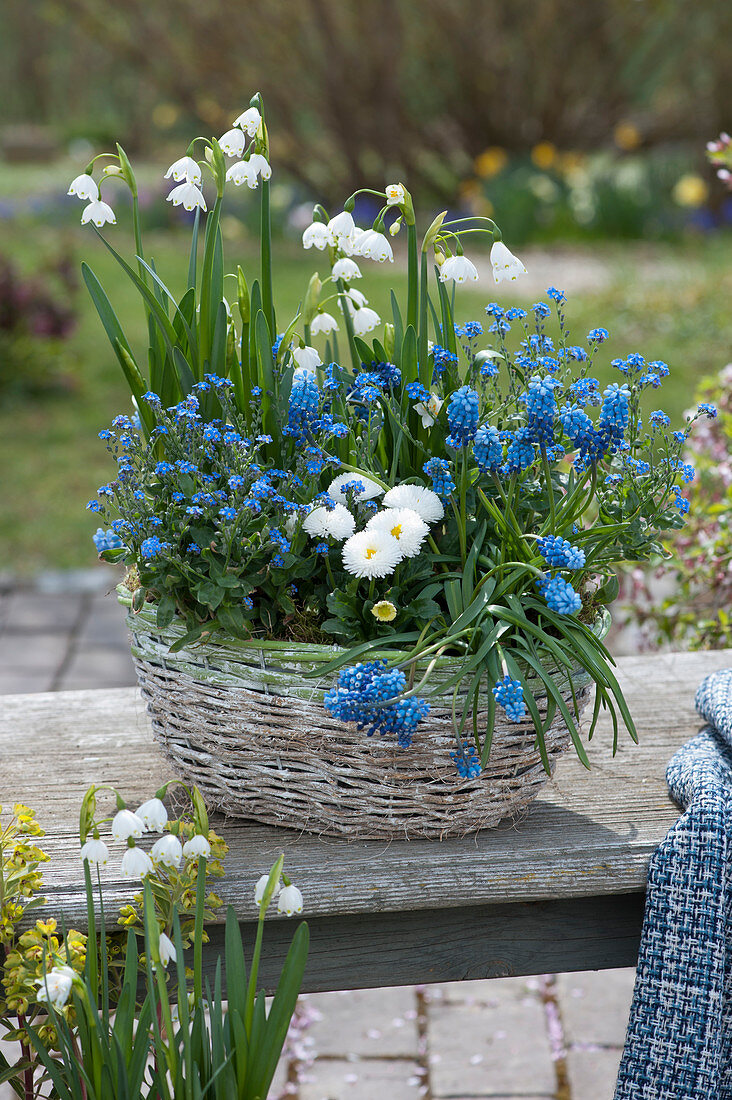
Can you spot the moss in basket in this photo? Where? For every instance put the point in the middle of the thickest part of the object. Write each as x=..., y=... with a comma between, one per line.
x=283, y=481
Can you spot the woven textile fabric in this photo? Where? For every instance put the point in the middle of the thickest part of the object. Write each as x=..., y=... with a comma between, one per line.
x=679, y=1040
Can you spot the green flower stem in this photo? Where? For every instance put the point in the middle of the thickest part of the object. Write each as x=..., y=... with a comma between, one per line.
x=266, y=259
x=345, y=303
x=412, y=275
x=462, y=534
x=274, y=878
x=549, y=487
x=138, y=238
x=422, y=331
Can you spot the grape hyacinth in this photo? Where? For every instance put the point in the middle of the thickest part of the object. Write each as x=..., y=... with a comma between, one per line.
x=559, y=595
x=487, y=447
x=560, y=554
x=462, y=417
x=368, y=694
x=509, y=694
x=438, y=469
x=467, y=762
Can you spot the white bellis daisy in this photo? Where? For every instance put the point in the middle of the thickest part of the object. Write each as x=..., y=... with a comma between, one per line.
x=424, y=502
x=403, y=524
x=371, y=553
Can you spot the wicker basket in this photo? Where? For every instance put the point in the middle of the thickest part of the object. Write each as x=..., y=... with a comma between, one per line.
x=239, y=720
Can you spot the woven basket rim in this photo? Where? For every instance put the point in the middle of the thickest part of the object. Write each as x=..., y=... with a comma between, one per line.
x=307, y=651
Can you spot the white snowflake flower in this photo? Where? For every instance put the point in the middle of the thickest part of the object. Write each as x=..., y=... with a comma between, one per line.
x=188, y=196
x=250, y=121
x=323, y=324
x=318, y=235
x=365, y=320
x=505, y=265
x=84, y=187
x=233, y=142
x=346, y=269
x=458, y=268
x=98, y=212
x=185, y=168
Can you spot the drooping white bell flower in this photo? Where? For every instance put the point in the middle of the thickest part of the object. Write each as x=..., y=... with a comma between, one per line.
x=365, y=320
x=168, y=850
x=249, y=120
x=505, y=265
x=233, y=142
x=94, y=852
x=458, y=268
x=318, y=235
x=261, y=887
x=367, y=491
x=342, y=225
x=167, y=950
x=306, y=357
x=136, y=863
x=98, y=212
x=371, y=553
x=126, y=824
x=346, y=269
x=353, y=298
x=403, y=524
x=374, y=246
x=84, y=187
x=290, y=901
x=242, y=171
x=187, y=195
x=395, y=194
x=337, y=523
x=429, y=410
x=186, y=168
x=425, y=502
x=153, y=814
x=323, y=324
x=261, y=165
x=197, y=846
x=55, y=986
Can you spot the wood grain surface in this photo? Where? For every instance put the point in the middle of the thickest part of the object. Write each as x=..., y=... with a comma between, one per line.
x=548, y=888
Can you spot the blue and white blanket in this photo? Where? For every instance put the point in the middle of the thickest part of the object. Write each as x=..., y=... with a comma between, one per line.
x=679, y=1041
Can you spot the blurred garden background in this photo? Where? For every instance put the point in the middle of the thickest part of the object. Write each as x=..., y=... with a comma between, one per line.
x=580, y=128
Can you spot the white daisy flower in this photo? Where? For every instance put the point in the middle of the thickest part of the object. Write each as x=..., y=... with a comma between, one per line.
x=318, y=235
x=346, y=269
x=342, y=225
x=233, y=142
x=84, y=188
x=250, y=121
x=421, y=500
x=458, y=268
x=403, y=524
x=365, y=320
x=187, y=195
x=336, y=523
x=370, y=488
x=98, y=212
x=371, y=553
x=505, y=264
x=323, y=323
x=186, y=168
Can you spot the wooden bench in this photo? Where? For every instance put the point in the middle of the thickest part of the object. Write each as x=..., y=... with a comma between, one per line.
x=560, y=889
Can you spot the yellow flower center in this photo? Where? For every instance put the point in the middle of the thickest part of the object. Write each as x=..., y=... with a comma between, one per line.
x=396, y=531
x=370, y=553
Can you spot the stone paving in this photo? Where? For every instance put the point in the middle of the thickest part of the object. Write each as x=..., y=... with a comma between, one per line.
x=551, y=1037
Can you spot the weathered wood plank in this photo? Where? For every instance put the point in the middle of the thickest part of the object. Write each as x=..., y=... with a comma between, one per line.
x=588, y=837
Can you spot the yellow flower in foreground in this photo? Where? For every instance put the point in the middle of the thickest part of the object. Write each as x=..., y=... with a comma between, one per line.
x=491, y=162
x=690, y=191
x=544, y=154
x=627, y=136
x=384, y=611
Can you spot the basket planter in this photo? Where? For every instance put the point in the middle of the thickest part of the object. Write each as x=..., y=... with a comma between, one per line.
x=240, y=721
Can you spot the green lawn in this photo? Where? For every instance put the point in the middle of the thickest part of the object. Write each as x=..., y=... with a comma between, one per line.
x=671, y=303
